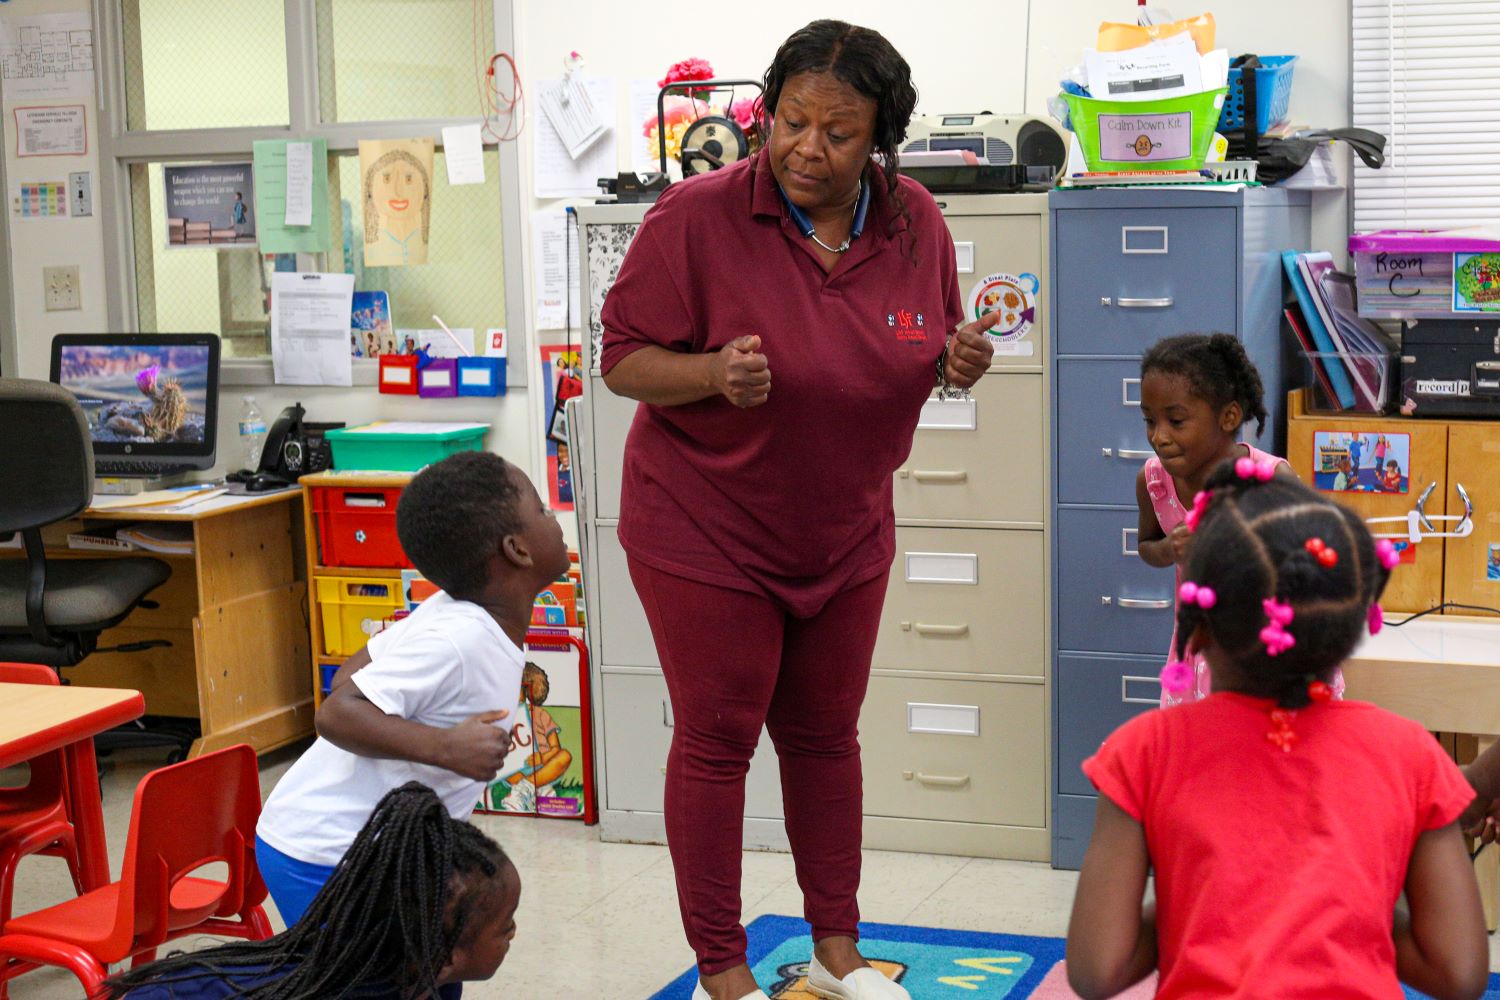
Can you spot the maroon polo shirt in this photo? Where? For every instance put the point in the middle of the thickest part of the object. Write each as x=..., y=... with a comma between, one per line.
x=792, y=498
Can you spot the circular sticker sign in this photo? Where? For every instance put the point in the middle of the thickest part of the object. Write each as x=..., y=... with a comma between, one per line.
x=1010, y=294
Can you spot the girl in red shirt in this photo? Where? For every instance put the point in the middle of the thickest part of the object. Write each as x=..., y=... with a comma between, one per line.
x=1282, y=825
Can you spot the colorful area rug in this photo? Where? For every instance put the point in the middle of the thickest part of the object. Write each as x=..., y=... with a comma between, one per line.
x=932, y=964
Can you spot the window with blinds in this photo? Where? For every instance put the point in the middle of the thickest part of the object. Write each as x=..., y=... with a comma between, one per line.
x=1426, y=76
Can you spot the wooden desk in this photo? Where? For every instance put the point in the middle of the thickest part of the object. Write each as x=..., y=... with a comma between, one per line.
x=1444, y=673
x=37, y=719
x=235, y=613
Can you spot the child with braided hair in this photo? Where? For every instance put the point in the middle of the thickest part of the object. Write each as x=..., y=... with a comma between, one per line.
x=1282, y=825
x=420, y=903
x=1196, y=393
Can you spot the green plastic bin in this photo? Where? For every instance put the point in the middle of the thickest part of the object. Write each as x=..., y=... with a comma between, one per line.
x=391, y=446
x=1172, y=134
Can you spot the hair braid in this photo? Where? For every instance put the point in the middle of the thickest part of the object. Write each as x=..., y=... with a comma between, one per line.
x=397, y=904
x=1251, y=545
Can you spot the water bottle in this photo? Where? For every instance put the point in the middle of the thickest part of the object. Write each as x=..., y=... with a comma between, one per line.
x=252, y=433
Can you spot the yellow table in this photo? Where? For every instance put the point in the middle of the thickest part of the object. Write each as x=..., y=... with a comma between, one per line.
x=1442, y=671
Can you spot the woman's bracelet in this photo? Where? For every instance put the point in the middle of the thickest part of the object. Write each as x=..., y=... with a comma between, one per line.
x=946, y=389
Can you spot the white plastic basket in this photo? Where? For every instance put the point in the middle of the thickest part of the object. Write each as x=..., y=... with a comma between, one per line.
x=1233, y=170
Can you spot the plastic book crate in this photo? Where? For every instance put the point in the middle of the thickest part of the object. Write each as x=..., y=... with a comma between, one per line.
x=402, y=446
x=355, y=608
x=1273, y=93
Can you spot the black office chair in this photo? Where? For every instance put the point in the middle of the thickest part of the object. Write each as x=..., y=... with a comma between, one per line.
x=52, y=611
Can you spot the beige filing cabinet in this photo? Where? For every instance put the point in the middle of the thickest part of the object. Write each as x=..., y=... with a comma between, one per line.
x=955, y=725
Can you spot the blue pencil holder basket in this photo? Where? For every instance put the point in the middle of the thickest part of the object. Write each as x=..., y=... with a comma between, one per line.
x=1273, y=92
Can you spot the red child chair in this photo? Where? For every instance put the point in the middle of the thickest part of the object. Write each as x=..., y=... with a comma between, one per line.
x=34, y=817
x=185, y=816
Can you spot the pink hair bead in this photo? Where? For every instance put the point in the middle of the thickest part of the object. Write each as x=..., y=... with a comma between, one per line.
x=1377, y=619
x=1248, y=468
x=1177, y=676
x=1244, y=467
x=1192, y=593
x=1389, y=557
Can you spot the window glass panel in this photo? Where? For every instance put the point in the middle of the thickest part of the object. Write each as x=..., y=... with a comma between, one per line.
x=195, y=289
x=463, y=280
x=382, y=60
x=192, y=290
x=200, y=65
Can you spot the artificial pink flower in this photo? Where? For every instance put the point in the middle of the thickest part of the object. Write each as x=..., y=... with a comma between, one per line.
x=688, y=69
x=745, y=112
x=676, y=110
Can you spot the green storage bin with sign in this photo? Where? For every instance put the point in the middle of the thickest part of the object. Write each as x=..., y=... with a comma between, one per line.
x=402, y=446
x=1170, y=134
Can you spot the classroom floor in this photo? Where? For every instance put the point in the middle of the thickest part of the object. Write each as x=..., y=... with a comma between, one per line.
x=600, y=920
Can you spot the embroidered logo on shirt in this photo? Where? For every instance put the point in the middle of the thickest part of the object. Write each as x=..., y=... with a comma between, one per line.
x=909, y=325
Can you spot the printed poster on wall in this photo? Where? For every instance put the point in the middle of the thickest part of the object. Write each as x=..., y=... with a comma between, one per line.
x=562, y=378
x=211, y=205
x=396, y=192
x=1014, y=296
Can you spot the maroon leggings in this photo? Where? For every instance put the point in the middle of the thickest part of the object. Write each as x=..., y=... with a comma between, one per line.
x=735, y=661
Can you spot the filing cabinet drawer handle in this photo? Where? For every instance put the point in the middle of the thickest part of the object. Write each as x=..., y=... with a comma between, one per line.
x=1127, y=454
x=1165, y=302
x=940, y=475
x=1125, y=384
x=924, y=629
x=1129, y=699
x=1137, y=604
x=943, y=780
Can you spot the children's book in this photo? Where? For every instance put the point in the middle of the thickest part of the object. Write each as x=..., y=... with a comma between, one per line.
x=1343, y=389
x=1299, y=330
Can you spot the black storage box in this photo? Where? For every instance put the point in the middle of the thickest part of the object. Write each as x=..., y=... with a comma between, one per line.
x=1450, y=368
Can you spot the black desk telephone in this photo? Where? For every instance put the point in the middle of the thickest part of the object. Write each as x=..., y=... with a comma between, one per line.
x=294, y=447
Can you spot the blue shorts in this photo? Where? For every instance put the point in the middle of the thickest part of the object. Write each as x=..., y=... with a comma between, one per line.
x=293, y=884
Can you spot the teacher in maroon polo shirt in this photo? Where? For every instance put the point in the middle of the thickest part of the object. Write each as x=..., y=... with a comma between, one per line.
x=783, y=320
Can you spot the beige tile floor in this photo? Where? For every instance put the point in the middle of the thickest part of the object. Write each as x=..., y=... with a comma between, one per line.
x=600, y=920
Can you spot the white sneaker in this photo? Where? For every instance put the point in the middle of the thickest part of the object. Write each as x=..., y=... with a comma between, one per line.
x=862, y=984
x=699, y=993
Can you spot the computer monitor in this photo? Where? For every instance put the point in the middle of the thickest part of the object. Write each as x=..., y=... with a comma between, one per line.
x=150, y=398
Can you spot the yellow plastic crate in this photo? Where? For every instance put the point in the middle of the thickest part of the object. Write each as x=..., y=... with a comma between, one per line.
x=355, y=608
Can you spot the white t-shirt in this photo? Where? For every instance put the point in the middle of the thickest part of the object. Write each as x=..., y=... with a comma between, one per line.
x=445, y=663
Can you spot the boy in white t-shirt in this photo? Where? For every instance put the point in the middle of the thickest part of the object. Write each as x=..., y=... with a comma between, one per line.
x=429, y=698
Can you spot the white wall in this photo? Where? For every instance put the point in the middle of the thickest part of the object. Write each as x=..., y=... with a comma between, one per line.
x=997, y=55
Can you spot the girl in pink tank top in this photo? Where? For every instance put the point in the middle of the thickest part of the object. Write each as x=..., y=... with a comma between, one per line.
x=1196, y=393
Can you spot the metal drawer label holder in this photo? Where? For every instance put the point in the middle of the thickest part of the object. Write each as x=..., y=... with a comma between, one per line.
x=942, y=720
x=943, y=567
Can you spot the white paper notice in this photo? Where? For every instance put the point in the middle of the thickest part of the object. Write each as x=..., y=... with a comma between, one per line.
x=47, y=56
x=554, y=245
x=558, y=175
x=438, y=344
x=56, y=131
x=644, y=154
x=571, y=110
x=299, y=183
x=463, y=151
x=1168, y=68
x=310, y=328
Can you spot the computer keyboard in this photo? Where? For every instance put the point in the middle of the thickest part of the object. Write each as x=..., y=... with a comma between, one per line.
x=143, y=470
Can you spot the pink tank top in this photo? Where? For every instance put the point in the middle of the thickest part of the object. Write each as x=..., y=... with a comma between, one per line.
x=1171, y=511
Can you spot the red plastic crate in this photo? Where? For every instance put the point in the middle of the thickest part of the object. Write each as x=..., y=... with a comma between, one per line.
x=357, y=526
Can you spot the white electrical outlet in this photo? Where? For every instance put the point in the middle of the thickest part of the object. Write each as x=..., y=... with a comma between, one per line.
x=60, y=288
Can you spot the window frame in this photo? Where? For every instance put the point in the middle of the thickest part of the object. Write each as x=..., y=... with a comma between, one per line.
x=120, y=148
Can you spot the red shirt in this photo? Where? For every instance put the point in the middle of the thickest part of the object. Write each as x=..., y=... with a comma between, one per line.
x=1277, y=873
x=792, y=498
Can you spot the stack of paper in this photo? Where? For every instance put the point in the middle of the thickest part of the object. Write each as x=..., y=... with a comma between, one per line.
x=169, y=537
x=1170, y=67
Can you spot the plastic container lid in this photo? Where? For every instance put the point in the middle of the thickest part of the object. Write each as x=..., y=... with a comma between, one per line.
x=1418, y=241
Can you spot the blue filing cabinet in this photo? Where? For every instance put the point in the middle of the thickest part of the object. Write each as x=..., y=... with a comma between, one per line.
x=1130, y=266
